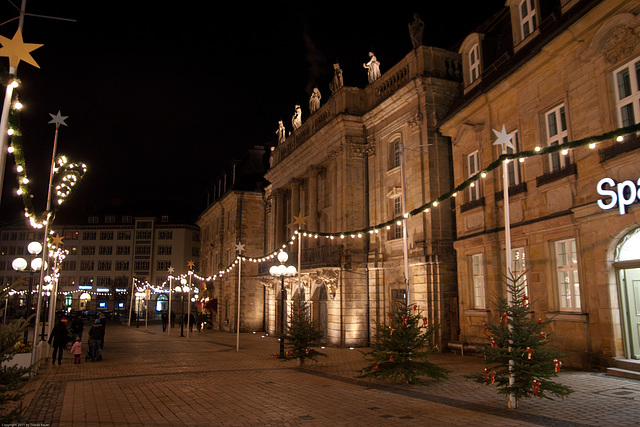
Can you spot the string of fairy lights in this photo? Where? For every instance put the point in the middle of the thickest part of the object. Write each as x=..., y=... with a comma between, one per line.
x=590, y=142
x=69, y=174
x=66, y=174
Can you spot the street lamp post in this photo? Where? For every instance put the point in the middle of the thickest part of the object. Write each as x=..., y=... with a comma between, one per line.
x=282, y=271
x=20, y=264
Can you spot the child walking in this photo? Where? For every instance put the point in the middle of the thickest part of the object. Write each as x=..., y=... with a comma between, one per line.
x=76, y=350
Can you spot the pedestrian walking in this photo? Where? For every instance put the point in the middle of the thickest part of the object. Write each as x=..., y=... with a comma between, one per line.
x=173, y=318
x=59, y=337
x=199, y=321
x=96, y=339
x=192, y=321
x=165, y=319
x=77, y=326
x=76, y=350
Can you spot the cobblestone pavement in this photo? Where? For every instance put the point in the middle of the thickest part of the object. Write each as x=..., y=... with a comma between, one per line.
x=150, y=378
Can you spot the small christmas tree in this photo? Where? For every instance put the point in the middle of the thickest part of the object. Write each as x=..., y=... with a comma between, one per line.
x=12, y=377
x=400, y=349
x=302, y=335
x=522, y=360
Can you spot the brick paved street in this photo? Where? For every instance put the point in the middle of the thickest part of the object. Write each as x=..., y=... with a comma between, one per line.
x=150, y=379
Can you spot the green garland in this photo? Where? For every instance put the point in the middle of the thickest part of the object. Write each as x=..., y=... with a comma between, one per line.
x=65, y=176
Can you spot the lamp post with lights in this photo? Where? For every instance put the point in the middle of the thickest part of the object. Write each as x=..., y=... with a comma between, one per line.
x=282, y=271
x=20, y=264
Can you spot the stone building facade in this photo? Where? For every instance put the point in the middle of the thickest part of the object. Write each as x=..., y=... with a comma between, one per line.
x=553, y=72
x=341, y=172
x=235, y=216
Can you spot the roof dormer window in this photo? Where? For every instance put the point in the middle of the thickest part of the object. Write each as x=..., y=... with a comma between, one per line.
x=474, y=64
x=527, y=18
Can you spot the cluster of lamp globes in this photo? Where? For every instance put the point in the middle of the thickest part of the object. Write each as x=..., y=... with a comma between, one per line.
x=20, y=264
x=282, y=270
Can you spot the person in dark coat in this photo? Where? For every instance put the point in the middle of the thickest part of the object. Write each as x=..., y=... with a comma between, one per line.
x=96, y=338
x=77, y=326
x=165, y=319
x=191, y=321
x=173, y=318
x=59, y=337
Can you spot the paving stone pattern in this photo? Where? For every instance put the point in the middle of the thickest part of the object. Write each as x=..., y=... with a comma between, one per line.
x=149, y=378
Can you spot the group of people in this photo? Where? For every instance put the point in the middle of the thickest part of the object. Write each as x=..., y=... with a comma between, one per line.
x=188, y=319
x=61, y=335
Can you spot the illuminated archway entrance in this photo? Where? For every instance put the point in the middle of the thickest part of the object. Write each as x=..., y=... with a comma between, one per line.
x=627, y=263
x=85, y=301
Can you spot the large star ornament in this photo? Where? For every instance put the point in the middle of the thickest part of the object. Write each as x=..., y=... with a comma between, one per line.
x=191, y=264
x=504, y=139
x=170, y=270
x=17, y=50
x=57, y=240
x=240, y=247
x=58, y=119
x=300, y=220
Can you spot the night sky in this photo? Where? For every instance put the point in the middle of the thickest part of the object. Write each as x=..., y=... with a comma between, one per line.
x=160, y=98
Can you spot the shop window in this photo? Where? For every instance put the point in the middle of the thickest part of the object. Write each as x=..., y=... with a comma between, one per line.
x=567, y=275
x=477, y=272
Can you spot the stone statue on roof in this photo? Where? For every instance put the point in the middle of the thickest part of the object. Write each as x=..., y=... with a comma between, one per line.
x=337, y=83
x=416, y=30
x=314, y=100
x=373, y=67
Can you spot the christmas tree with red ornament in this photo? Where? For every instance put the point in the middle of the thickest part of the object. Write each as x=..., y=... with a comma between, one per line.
x=302, y=335
x=400, y=348
x=521, y=362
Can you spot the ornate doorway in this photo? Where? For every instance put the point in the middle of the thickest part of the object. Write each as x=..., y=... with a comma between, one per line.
x=627, y=262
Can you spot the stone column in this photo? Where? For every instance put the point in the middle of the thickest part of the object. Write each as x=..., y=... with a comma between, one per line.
x=313, y=198
x=295, y=198
x=278, y=195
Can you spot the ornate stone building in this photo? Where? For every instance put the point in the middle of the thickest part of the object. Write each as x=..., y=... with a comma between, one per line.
x=235, y=216
x=553, y=72
x=341, y=171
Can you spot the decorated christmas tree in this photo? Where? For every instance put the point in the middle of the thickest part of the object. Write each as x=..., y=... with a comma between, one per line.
x=521, y=360
x=401, y=347
x=302, y=335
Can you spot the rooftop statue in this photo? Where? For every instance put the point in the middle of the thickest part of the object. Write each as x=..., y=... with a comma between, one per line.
x=374, y=68
x=296, y=120
x=337, y=83
x=281, y=132
x=416, y=30
x=314, y=100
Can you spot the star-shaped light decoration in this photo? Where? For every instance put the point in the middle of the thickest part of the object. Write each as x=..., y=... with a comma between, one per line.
x=300, y=220
x=504, y=139
x=58, y=119
x=240, y=247
x=170, y=270
x=191, y=264
x=57, y=240
x=17, y=50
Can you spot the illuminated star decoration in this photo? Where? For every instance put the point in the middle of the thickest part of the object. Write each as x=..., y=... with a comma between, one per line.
x=191, y=264
x=504, y=139
x=17, y=50
x=57, y=240
x=58, y=119
x=170, y=270
x=240, y=247
x=300, y=220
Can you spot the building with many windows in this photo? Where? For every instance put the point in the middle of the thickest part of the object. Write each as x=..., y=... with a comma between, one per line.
x=552, y=72
x=104, y=255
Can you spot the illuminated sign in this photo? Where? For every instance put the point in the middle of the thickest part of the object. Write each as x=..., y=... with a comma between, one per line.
x=85, y=287
x=102, y=289
x=625, y=193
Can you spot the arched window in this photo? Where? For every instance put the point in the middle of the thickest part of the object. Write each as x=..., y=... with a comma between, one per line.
x=629, y=247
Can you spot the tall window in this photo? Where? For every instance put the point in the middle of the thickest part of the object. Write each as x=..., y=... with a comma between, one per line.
x=519, y=267
x=556, y=123
x=397, y=211
x=513, y=167
x=474, y=63
x=567, y=273
x=396, y=152
x=527, y=17
x=477, y=272
x=627, y=88
x=472, y=169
